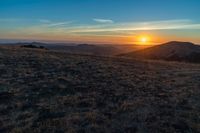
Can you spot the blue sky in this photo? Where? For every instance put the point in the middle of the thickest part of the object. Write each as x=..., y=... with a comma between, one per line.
x=100, y=20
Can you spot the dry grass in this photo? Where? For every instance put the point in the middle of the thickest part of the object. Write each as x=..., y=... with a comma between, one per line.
x=46, y=91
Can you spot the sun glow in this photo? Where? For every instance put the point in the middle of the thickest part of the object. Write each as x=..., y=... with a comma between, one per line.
x=144, y=40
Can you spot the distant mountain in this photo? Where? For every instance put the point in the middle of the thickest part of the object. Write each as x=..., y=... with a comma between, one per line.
x=88, y=49
x=172, y=51
x=100, y=50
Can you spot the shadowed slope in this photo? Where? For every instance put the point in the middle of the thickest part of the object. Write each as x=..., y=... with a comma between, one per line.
x=48, y=92
x=173, y=51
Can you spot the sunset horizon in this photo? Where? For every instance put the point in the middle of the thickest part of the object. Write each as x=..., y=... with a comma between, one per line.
x=111, y=22
x=99, y=66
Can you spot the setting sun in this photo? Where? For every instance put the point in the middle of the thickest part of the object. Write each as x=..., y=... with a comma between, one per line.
x=88, y=65
x=144, y=40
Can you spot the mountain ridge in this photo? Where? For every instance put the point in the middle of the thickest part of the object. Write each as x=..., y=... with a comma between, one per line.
x=171, y=51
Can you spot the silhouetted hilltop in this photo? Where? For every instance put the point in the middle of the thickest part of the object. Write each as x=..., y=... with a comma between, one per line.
x=172, y=51
x=33, y=46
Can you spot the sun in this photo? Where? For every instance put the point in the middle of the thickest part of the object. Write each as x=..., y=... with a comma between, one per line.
x=144, y=39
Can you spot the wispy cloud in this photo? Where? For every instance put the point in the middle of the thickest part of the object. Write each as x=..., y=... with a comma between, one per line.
x=136, y=26
x=103, y=20
x=58, y=24
x=107, y=25
x=59, y=30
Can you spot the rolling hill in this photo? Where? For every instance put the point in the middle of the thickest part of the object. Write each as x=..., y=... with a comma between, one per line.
x=44, y=91
x=171, y=51
x=87, y=49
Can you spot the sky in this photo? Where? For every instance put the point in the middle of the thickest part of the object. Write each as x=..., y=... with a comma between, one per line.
x=100, y=21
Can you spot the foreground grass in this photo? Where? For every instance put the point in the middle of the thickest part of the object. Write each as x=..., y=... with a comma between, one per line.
x=46, y=91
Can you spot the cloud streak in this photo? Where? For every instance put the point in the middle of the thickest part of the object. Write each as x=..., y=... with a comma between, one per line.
x=138, y=26
x=49, y=29
x=103, y=20
x=58, y=24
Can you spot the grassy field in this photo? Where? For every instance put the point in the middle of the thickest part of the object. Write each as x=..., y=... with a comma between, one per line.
x=47, y=91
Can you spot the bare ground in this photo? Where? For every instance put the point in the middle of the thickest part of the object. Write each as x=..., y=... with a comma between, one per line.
x=46, y=91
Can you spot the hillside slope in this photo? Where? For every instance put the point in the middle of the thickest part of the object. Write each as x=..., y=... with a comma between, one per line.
x=45, y=91
x=174, y=51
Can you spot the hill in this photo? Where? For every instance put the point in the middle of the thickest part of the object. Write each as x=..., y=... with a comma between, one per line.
x=87, y=49
x=47, y=91
x=172, y=51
